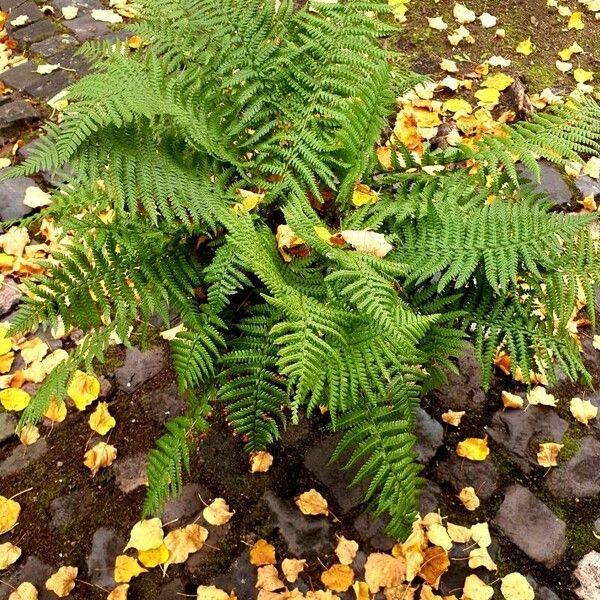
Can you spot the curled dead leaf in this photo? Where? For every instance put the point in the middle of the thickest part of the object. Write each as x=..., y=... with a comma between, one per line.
x=547, y=454
x=312, y=503
x=260, y=462
x=100, y=456
x=217, y=512
x=453, y=417
x=346, y=550
x=292, y=567
x=469, y=498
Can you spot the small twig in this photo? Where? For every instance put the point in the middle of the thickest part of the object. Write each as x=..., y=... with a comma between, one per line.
x=20, y=493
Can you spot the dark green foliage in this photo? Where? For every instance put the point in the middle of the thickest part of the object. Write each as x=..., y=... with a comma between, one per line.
x=233, y=95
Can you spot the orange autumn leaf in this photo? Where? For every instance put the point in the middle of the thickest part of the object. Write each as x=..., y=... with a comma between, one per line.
x=338, y=578
x=262, y=553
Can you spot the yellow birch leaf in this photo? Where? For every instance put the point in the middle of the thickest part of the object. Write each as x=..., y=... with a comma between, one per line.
x=267, y=579
x=126, y=568
x=453, y=417
x=153, y=558
x=62, y=582
x=383, y=570
x=346, y=550
x=106, y=16
x=539, y=395
x=262, y=553
x=437, y=23
x=475, y=589
x=338, y=578
x=361, y=590
x=9, y=514
x=260, y=462
x=100, y=456
x=56, y=412
x=217, y=513
x=459, y=534
x=473, y=449
x=29, y=435
x=581, y=75
x=83, y=389
x=210, y=592
x=498, y=81
x=462, y=14
x=119, y=593
x=14, y=399
x=511, y=400
x=438, y=535
x=249, y=200
x=596, y=342
x=480, y=532
x=368, y=242
x=427, y=593
x=458, y=105
x=25, y=591
x=480, y=557
x=576, y=21
x=548, y=453
x=9, y=555
x=146, y=534
x=312, y=503
x=69, y=12
x=6, y=362
x=469, y=498
x=583, y=410
x=515, y=587
x=101, y=421
x=363, y=194
x=183, y=542
x=292, y=567
x=525, y=47
x=488, y=97
x=323, y=233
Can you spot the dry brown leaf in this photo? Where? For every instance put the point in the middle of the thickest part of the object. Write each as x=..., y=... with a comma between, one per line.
x=267, y=579
x=469, y=498
x=262, y=553
x=453, y=417
x=511, y=400
x=119, y=593
x=184, y=541
x=100, y=456
x=338, y=578
x=346, y=550
x=9, y=555
x=473, y=449
x=26, y=591
x=126, y=568
x=217, y=512
x=292, y=567
x=435, y=564
x=312, y=503
x=63, y=581
x=383, y=570
x=548, y=453
x=260, y=462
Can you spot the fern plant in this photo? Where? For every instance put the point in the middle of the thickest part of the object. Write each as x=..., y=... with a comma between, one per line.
x=232, y=100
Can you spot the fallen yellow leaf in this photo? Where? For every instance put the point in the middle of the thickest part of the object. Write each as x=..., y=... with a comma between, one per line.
x=14, y=399
x=217, y=513
x=184, y=541
x=480, y=532
x=363, y=194
x=126, y=568
x=33, y=350
x=25, y=591
x=338, y=578
x=475, y=589
x=250, y=200
x=101, y=421
x=435, y=564
x=453, y=417
x=539, y=395
x=56, y=412
x=153, y=558
x=368, y=242
x=499, y=81
x=581, y=75
x=6, y=362
x=267, y=579
x=469, y=498
x=473, y=448
x=260, y=462
x=383, y=570
x=346, y=550
x=438, y=535
x=62, y=582
x=9, y=514
x=100, y=456
x=29, y=435
x=515, y=587
x=548, y=453
x=488, y=97
x=576, y=21
x=119, y=593
x=511, y=400
x=146, y=534
x=361, y=590
x=9, y=555
x=312, y=503
x=83, y=389
x=480, y=557
x=262, y=553
x=583, y=410
x=210, y=592
x=525, y=47
x=458, y=534
x=292, y=567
